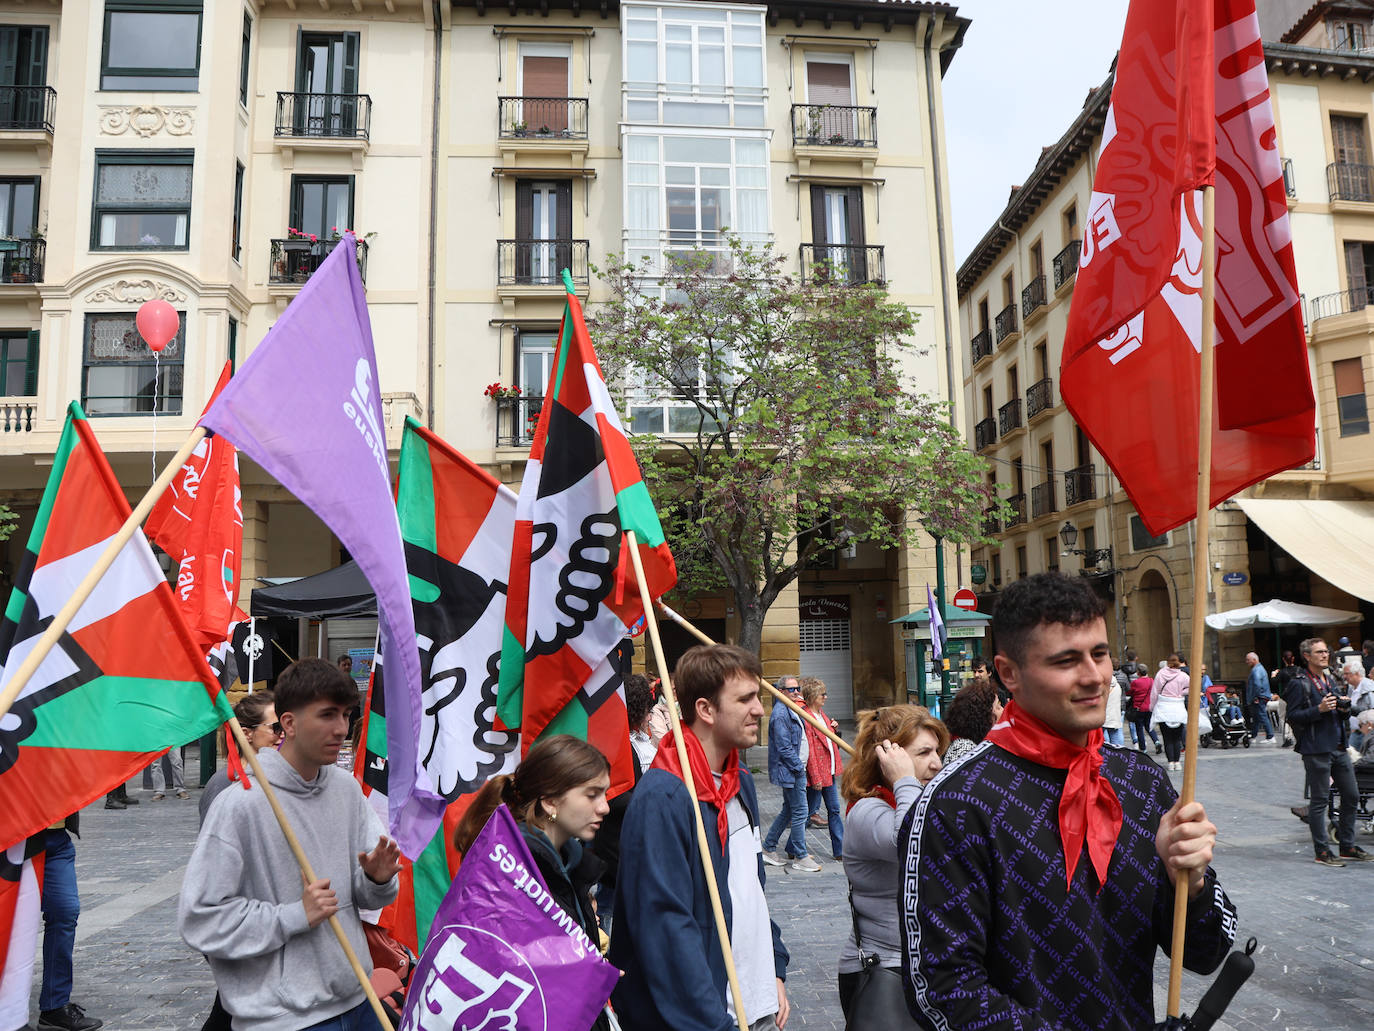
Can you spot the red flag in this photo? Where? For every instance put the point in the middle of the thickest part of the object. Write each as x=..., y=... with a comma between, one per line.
x=1190, y=107
x=199, y=522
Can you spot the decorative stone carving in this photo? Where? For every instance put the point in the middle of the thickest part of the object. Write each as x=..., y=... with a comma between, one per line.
x=146, y=122
x=134, y=291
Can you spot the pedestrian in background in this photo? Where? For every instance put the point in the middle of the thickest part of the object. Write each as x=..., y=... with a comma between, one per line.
x=61, y=907
x=1257, y=697
x=787, y=753
x=972, y=712
x=1139, y=710
x=1169, y=707
x=823, y=767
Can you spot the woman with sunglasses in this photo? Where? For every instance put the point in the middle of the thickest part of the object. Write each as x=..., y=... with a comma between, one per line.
x=257, y=715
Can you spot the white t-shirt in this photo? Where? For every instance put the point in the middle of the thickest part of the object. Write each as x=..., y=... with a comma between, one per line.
x=751, y=935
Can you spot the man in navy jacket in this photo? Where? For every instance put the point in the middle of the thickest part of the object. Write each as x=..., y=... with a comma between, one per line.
x=664, y=936
x=787, y=753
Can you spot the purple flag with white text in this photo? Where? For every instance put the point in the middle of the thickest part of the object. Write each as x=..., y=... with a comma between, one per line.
x=502, y=953
x=937, y=626
x=306, y=407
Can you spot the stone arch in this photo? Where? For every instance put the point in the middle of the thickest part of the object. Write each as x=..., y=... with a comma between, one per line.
x=1152, y=618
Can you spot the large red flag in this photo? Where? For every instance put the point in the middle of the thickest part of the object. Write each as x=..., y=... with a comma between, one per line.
x=1190, y=107
x=199, y=522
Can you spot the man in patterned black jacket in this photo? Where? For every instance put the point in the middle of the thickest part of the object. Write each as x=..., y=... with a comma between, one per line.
x=1039, y=871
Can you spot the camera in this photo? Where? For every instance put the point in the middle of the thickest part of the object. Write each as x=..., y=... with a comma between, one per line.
x=1343, y=704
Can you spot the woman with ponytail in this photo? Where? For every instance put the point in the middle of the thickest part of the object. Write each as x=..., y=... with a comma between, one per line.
x=558, y=797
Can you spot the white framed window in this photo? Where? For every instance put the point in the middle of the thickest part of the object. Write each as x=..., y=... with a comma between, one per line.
x=830, y=78
x=544, y=69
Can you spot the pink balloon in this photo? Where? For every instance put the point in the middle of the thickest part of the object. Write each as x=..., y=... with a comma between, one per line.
x=158, y=323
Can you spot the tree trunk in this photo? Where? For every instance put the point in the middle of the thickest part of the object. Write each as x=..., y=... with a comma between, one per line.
x=752, y=612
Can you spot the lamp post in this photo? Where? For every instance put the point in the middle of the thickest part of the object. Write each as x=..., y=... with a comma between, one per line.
x=1068, y=534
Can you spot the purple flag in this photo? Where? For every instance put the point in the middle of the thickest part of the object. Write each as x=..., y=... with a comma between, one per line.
x=305, y=406
x=937, y=626
x=502, y=953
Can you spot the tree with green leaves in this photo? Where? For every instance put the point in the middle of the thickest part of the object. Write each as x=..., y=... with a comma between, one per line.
x=9, y=522
x=794, y=426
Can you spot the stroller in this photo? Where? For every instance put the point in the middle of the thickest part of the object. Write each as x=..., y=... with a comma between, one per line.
x=1227, y=730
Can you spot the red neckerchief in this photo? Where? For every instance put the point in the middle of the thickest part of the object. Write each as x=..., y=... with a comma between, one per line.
x=880, y=792
x=666, y=759
x=1089, y=810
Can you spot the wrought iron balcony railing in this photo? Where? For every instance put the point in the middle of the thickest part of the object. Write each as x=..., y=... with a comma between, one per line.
x=294, y=260
x=1327, y=305
x=981, y=346
x=1039, y=397
x=1009, y=417
x=1016, y=510
x=1079, y=485
x=324, y=115
x=1350, y=182
x=1043, y=500
x=1005, y=323
x=516, y=418
x=992, y=525
x=542, y=118
x=21, y=261
x=835, y=125
x=541, y=262
x=845, y=264
x=16, y=414
x=27, y=107
x=1066, y=263
x=984, y=434
x=1033, y=296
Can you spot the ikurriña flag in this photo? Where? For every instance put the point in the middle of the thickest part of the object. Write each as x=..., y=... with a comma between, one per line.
x=1190, y=107
x=306, y=407
x=199, y=523
x=21, y=887
x=573, y=593
x=457, y=521
x=125, y=681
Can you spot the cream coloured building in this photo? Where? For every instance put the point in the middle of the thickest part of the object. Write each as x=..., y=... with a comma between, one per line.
x=486, y=146
x=1300, y=536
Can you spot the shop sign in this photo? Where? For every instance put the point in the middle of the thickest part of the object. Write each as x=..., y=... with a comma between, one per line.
x=825, y=606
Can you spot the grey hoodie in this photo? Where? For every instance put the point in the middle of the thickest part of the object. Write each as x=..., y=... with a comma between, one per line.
x=241, y=898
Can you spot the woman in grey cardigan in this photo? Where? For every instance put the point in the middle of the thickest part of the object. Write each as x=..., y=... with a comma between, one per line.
x=896, y=753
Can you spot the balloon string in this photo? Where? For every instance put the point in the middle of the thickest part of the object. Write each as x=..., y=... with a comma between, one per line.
x=157, y=381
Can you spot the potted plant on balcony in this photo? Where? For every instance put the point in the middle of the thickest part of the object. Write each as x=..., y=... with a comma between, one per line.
x=497, y=391
x=544, y=130
x=813, y=124
x=520, y=129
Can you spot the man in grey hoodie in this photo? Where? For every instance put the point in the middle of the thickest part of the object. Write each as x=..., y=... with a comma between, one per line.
x=244, y=902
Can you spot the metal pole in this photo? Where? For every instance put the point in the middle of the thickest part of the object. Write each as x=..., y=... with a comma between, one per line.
x=940, y=604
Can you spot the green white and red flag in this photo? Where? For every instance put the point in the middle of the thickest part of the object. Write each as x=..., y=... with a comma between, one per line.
x=21, y=889
x=573, y=593
x=126, y=680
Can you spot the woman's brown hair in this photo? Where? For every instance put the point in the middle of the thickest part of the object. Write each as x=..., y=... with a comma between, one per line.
x=554, y=765
x=896, y=723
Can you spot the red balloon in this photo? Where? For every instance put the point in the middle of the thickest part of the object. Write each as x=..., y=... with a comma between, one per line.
x=158, y=323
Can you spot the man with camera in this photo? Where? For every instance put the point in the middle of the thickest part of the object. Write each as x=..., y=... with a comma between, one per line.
x=1319, y=713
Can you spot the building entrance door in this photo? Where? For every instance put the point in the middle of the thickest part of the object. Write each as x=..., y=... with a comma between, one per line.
x=826, y=651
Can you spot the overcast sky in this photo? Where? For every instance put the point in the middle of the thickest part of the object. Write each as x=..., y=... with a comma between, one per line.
x=1016, y=84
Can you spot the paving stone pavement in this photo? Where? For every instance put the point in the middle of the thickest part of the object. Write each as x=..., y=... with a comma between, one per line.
x=1316, y=947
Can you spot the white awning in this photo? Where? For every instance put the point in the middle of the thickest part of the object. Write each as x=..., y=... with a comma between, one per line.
x=1280, y=613
x=1331, y=538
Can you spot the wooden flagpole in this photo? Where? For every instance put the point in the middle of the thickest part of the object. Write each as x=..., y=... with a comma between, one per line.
x=68, y=612
x=712, y=888
x=1201, y=573
x=681, y=621
x=246, y=750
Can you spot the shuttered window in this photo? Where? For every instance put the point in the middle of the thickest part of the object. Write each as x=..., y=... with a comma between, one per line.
x=827, y=82
x=1352, y=404
x=18, y=363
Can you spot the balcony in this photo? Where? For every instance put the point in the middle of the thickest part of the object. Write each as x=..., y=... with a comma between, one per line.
x=1079, y=485
x=992, y=525
x=1009, y=417
x=1066, y=264
x=980, y=346
x=842, y=264
x=27, y=108
x=834, y=125
x=324, y=115
x=1033, y=298
x=1342, y=303
x=294, y=260
x=16, y=414
x=541, y=118
x=21, y=261
x=1005, y=325
x=1016, y=510
x=541, y=262
x=1350, y=182
x=516, y=418
x=397, y=406
x=1290, y=184
x=1039, y=398
x=984, y=434
x=1042, y=499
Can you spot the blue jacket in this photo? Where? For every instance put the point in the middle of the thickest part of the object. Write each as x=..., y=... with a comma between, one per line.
x=1257, y=684
x=664, y=934
x=785, y=736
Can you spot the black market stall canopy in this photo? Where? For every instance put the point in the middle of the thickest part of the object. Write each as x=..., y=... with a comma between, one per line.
x=334, y=594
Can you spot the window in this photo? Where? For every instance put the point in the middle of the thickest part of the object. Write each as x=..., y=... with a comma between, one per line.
x=18, y=362
x=1021, y=562
x=1348, y=35
x=988, y=410
x=1347, y=139
x=327, y=72
x=996, y=569
x=1037, y=260
x=1042, y=360
x=983, y=315
x=543, y=230
x=23, y=75
x=244, y=53
x=151, y=45
x=322, y=206
x=18, y=208
x=837, y=227
x=1352, y=405
x=1071, y=224
x=236, y=241
x=121, y=376
x=142, y=200
x=1008, y=289
x=233, y=345
x=1141, y=539
x=533, y=366
x=1052, y=553
x=1359, y=272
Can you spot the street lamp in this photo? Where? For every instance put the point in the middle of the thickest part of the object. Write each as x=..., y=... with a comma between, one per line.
x=1068, y=533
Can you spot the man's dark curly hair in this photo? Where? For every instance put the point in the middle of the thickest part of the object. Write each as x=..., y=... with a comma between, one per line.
x=1038, y=600
x=970, y=710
